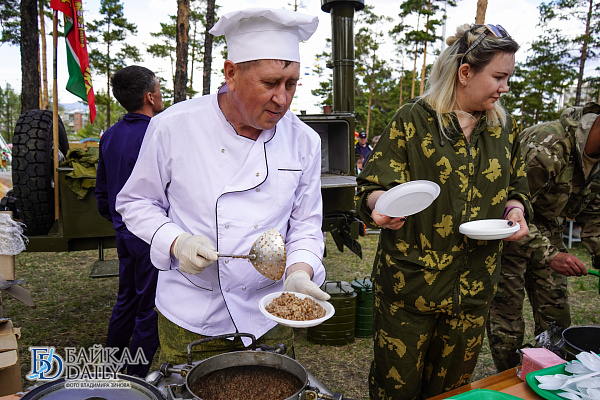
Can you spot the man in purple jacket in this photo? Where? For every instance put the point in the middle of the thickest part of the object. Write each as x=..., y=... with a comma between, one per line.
x=133, y=317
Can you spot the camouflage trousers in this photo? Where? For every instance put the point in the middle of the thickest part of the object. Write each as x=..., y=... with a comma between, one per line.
x=417, y=355
x=548, y=296
x=174, y=340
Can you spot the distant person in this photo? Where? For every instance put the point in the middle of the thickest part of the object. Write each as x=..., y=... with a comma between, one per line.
x=432, y=285
x=373, y=143
x=133, y=323
x=264, y=172
x=563, y=170
x=363, y=147
x=375, y=140
x=360, y=160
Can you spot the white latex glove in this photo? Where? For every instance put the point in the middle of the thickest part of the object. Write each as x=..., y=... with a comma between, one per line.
x=300, y=282
x=194, y=252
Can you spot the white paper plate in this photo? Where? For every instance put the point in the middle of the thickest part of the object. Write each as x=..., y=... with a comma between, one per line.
x=488, y=229
x=266, y=300
x=408, y=198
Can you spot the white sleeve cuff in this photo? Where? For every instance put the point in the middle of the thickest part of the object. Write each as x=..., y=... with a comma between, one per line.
x=311, y=259
x=160, y=246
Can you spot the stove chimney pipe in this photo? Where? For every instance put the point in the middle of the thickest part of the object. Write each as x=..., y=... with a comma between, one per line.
x=342, y=51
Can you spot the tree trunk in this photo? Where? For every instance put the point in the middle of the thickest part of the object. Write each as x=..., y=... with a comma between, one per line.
x=193, y=57
x=208, y=44
x=401, y=88
x=370, y=95
x=586, y=39
x=481, y=9
x=183, y=26
x=414, y=77
x=422, y=87
x=44, y=102
x=108, y=64
x=30, y=60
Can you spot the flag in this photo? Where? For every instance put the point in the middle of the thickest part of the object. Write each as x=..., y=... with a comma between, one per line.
x=80, y=77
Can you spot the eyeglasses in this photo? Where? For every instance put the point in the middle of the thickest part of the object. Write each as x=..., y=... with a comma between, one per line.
x=496, y=30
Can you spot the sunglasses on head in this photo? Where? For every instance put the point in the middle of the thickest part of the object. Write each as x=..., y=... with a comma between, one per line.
x=496, y=30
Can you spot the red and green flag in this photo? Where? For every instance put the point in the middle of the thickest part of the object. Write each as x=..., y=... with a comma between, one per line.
x=80, y=77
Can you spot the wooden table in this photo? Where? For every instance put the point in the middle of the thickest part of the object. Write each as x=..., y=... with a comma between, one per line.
x=505, y=382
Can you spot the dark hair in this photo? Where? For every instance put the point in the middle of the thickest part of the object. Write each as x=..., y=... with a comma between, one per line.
x=130, y=85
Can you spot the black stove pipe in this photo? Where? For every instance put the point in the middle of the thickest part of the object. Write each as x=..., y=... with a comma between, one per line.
x=342, y=51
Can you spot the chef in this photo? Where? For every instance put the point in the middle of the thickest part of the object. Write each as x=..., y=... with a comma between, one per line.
x=213, y=174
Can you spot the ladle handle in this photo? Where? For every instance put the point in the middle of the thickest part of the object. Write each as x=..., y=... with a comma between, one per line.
x=597, y=273
x=248, y=256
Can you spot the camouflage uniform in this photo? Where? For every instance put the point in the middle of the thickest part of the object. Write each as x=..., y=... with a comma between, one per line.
x=559, y=190
x=432, y=285
x=175, y=339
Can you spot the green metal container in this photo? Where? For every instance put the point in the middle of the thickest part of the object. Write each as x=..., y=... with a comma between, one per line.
x=339, y=329
x=364, y=307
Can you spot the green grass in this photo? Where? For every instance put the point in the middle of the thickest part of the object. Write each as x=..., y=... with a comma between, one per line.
x=72, y=310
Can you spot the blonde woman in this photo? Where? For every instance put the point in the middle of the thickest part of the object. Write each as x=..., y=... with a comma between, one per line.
x=432, y=284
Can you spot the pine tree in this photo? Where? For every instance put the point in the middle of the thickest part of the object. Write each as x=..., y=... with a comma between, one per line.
x=10, y=21
x=197, y=50
x=419, y=36
x=208, y=46
x=587, y=39
x=30, y=60
x=538, y=83
x=370, y=70
x=181, y=50
x=9, y=111
x=111, y=32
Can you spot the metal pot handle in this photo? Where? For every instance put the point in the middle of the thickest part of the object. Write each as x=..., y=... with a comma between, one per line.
x=219, y=337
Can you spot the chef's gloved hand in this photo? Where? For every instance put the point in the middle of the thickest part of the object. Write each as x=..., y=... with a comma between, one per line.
x=194, y=252
x=300, y=282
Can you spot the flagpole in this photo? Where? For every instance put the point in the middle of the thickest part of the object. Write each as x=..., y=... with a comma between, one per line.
x=55, y=112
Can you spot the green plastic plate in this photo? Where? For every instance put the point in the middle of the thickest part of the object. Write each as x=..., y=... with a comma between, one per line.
x=484, y=394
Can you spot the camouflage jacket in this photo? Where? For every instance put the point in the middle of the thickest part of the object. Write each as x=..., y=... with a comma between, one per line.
x=553, y=154
x=429, y=263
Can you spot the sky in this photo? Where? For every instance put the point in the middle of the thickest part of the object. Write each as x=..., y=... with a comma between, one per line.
x=518, y=17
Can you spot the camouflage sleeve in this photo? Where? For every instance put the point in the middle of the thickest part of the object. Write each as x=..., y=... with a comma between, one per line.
x=519, y=186
x=537, y=247
x=382, y=171
x=546, y=154
x=589, y=219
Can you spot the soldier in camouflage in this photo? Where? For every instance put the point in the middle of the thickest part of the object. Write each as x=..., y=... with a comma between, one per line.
x=564, y=180
x=432, y=285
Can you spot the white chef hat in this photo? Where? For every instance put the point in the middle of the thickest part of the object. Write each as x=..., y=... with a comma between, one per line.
x=263, y=33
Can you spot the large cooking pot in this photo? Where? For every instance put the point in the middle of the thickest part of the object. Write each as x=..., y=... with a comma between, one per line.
x=134, y=389
x=580, y=338
x=243, y=359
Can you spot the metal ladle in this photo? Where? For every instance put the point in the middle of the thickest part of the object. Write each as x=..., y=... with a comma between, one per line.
x=267, y=255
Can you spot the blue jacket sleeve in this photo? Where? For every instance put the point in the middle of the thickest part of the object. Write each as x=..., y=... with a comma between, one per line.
x=101, y=190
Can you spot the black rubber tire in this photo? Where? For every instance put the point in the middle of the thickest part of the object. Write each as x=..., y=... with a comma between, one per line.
x=32, y=169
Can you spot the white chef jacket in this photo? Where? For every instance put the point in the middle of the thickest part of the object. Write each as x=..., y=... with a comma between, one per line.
x=196, y=174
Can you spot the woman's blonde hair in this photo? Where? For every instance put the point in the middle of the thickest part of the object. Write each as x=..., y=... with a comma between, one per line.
x=441, y=85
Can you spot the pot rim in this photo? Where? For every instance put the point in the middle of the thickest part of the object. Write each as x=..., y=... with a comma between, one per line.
x=40, y=391
x=243, y=355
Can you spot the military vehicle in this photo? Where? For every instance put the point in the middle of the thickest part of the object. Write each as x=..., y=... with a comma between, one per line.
x=79, y=226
